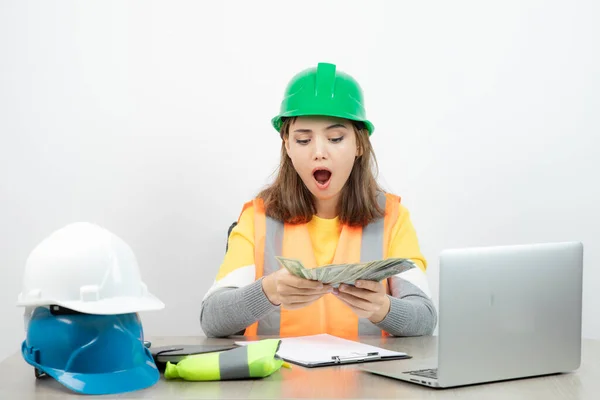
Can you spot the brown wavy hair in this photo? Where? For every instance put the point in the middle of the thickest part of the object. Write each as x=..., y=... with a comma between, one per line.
x=288, y=199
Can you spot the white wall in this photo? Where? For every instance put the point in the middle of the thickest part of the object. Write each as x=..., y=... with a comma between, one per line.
x=152, y=119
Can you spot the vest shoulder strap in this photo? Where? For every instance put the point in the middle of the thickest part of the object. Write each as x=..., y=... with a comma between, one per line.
x=256, y=203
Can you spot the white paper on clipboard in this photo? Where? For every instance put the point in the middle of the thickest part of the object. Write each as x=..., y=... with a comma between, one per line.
x=324, y=349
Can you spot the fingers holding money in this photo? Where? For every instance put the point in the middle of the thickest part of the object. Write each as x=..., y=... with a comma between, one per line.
x=370, y=285
x=296, y=292
x=372, y=295
x=300, y=283
x=289, y=285
x=367, y=300
x=291, y=292
x=293, y=297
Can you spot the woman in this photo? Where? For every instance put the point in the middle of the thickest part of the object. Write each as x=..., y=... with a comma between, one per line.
x=324, y=207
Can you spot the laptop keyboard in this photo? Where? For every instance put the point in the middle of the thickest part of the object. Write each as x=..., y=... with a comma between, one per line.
x=427, y=373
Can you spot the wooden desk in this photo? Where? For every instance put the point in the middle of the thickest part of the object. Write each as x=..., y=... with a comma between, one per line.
x=17, y=380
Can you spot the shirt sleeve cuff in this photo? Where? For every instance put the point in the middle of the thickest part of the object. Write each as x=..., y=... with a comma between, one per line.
x=256, y=299
x=399, y=315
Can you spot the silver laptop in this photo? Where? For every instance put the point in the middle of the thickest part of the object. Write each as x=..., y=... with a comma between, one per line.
x=505, y=312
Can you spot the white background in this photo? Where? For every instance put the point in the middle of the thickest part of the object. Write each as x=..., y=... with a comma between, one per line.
x=152, y=120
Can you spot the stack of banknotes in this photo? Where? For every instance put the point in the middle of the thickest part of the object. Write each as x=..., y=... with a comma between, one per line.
x=335, y=274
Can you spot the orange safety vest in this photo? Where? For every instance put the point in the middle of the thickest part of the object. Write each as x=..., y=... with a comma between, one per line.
x=328, y=314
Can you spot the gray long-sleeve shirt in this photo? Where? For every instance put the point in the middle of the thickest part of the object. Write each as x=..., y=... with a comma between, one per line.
x=229, y=311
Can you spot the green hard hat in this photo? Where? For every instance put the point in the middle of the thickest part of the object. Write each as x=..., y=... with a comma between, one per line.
x=323, y=91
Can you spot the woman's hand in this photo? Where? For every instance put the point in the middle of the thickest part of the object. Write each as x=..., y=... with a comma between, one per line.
x=292, y=292
x=368, y=299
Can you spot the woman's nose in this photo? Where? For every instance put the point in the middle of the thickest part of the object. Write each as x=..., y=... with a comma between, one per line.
x=320, y=148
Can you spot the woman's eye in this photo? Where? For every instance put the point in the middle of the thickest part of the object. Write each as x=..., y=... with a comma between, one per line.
x=337, y=140
x=305, y=141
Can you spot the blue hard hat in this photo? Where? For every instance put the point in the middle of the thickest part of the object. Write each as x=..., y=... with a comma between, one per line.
x=90, y=354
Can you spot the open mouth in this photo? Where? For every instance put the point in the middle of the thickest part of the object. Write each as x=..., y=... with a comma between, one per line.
x=322, y=177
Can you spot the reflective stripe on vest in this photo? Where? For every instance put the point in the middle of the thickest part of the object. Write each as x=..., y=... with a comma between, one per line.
x=329, y=313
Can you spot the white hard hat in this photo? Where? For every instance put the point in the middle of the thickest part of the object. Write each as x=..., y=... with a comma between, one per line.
x=88, y=269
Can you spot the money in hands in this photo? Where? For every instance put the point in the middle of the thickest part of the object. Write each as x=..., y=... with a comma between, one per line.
x=336, y=274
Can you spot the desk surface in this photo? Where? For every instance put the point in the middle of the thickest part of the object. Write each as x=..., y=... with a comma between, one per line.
x=17, y=380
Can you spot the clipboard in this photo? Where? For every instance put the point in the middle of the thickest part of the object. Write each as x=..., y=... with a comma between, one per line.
x=348, y=359
x=327, y=350
x=339, y=360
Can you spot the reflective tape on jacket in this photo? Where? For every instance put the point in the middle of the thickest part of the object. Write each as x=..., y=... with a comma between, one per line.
x=234, y=364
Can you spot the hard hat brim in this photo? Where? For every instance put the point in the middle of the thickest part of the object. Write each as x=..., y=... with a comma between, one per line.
x=137, y=378
x=276, y=121
x=111, y=306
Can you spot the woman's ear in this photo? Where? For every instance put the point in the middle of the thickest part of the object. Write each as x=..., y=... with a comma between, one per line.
x=359, y=150
x=286, y=142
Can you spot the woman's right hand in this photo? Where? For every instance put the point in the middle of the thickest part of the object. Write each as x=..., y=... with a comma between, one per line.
x=291, y=292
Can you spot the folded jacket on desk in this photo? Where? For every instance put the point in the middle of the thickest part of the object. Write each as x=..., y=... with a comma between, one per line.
x=256, y=360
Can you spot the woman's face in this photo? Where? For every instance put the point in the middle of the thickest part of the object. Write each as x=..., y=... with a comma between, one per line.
x=322, y=150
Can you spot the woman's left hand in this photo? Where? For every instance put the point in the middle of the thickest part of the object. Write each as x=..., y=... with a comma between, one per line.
x=368, y=299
